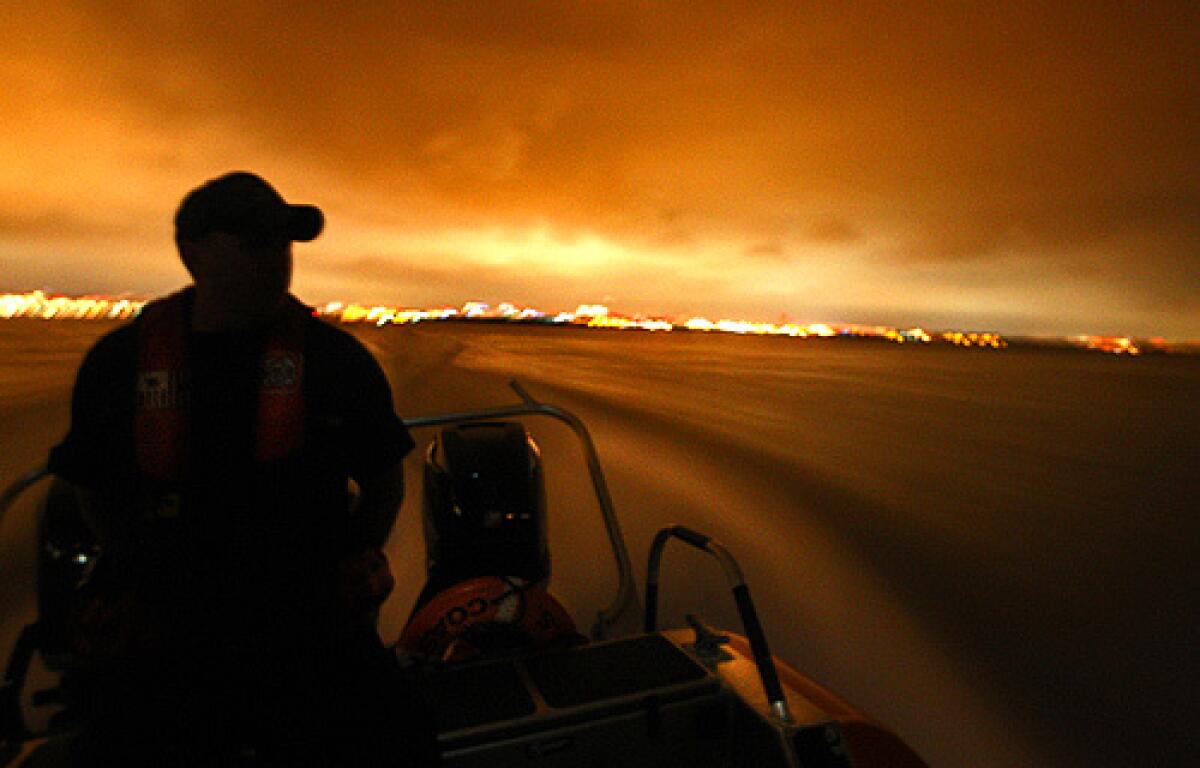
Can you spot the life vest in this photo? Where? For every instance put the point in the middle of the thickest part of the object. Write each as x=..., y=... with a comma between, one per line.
x=161, y=413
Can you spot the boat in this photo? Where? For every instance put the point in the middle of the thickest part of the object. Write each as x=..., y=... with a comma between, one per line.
x=499, y=663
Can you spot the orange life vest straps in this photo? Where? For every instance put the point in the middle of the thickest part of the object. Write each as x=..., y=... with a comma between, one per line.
x=281, y=407
x=161, y=422
x=160, y=413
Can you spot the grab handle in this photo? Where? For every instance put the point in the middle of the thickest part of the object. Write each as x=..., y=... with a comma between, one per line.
x=741, y=596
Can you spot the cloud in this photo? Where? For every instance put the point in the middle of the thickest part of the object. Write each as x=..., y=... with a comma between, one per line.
x=1121, y=228
x=832, y=230
x=779, y=134
x=60, y=224
x=772, y=250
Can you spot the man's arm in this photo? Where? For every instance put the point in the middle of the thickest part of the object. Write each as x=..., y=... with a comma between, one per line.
x=364, y=575
x=378, y=443
x=375, y=437
x=94, y=450
x=382, y=492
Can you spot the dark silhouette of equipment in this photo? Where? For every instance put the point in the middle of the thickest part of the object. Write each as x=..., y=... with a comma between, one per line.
x=485, y=504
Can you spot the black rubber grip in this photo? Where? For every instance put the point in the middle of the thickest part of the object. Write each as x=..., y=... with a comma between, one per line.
x=695, y=538
x=758, y=643
x=651, y=607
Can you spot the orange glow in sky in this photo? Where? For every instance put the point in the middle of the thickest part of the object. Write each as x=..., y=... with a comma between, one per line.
x=1027, y=168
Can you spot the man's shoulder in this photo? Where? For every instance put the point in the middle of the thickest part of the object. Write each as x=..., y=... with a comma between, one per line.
x=118, y=344
x=327, y=337
x=334, y=348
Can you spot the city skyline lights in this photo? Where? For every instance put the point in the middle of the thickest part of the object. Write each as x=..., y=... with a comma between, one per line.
x=38, y=304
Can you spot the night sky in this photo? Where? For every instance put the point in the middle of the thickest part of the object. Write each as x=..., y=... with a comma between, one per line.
x=1024, y=167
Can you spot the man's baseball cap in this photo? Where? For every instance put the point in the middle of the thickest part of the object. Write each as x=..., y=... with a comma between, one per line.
x=244, y=204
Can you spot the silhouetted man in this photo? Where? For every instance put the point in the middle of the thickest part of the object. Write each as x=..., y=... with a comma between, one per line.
x=212, y=441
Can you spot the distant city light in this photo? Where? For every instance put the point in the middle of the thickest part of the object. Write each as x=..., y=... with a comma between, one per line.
x=993, y=340
x=822, y=330
x=1117, y=345
x=39, y=305
x=591, y=310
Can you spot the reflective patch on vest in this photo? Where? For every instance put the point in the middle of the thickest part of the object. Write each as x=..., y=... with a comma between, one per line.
x=281, y=371
x=158, y=390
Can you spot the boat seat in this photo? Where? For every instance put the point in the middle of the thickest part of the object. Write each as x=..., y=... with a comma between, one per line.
x=598, y=672
x=473, y=695
x=627, y=700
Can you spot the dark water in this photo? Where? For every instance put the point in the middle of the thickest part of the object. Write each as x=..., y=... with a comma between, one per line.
x=994, y=553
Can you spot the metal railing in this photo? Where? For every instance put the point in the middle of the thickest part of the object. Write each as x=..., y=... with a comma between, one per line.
x=19, y=486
